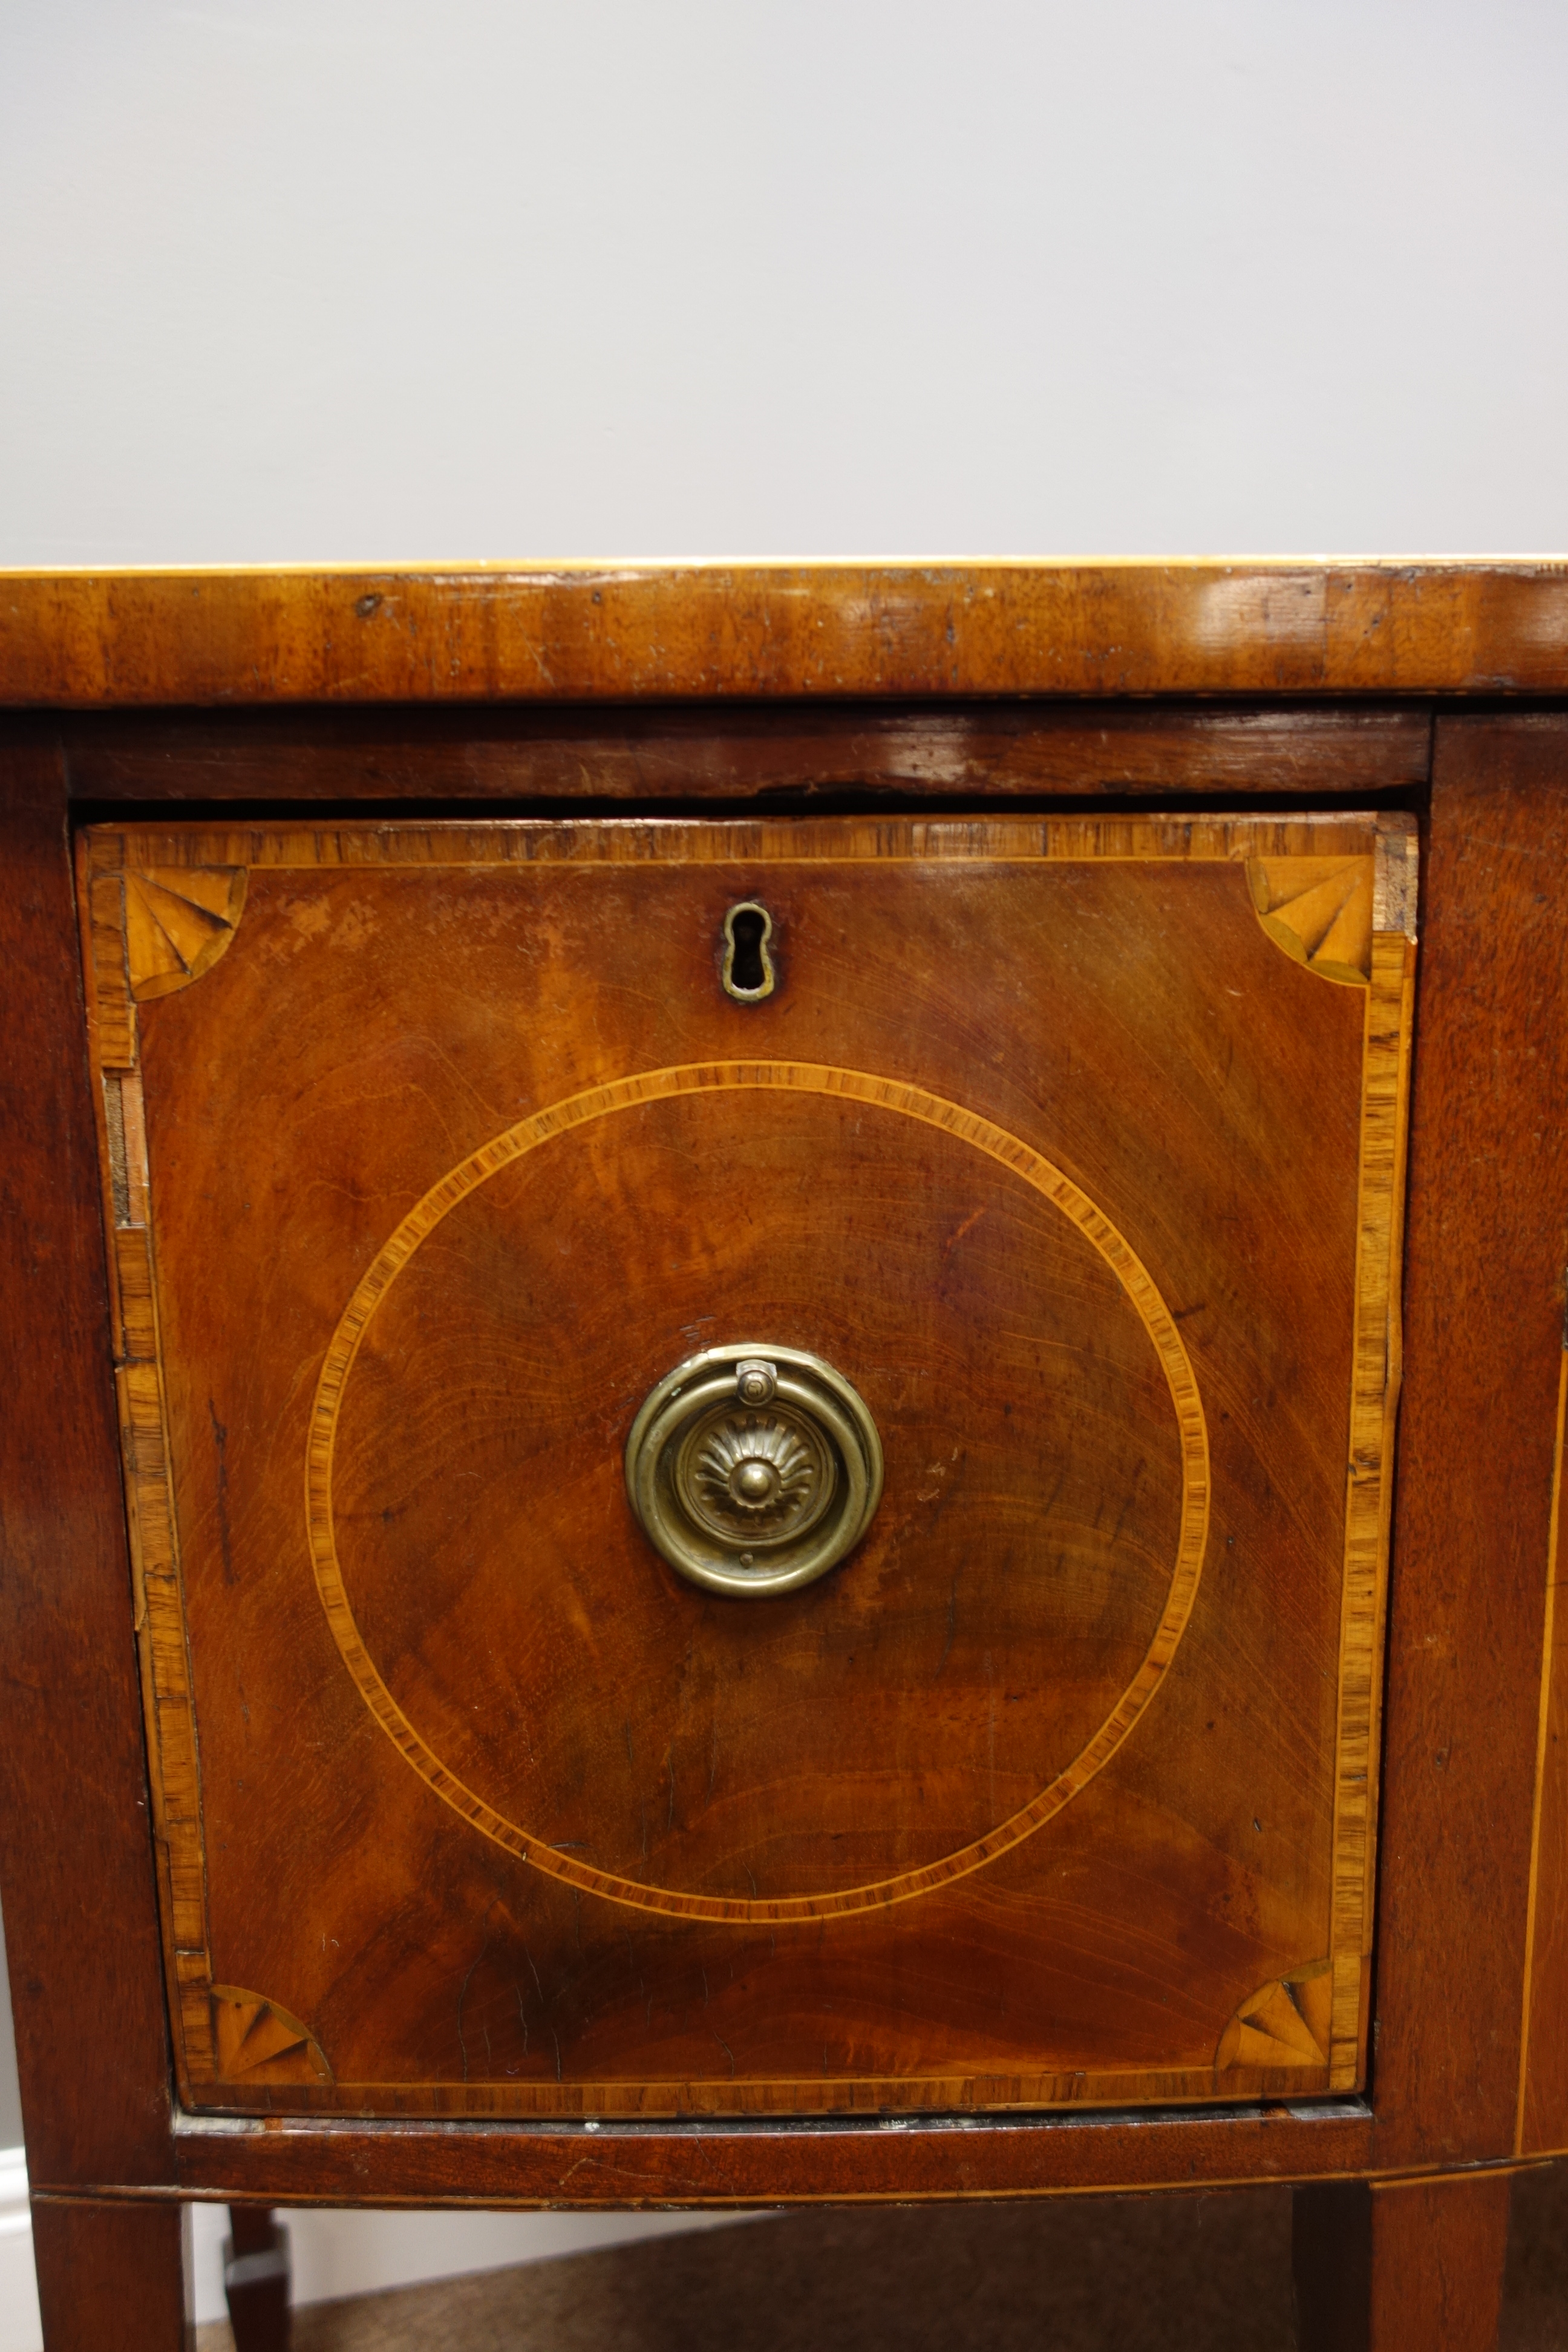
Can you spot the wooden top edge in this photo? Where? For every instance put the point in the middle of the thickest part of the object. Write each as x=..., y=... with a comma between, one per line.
x=575, y=632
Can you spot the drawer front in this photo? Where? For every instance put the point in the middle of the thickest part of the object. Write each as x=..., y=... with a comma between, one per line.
x=758, y=1454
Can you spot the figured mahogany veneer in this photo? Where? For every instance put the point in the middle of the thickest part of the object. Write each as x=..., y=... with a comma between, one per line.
x=560, y=632
x=1067, y=1836
x=1078, y=1144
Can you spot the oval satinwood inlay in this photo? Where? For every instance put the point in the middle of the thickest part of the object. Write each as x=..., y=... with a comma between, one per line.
x=1006, y=1617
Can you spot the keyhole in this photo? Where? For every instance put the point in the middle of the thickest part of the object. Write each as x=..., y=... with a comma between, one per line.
x=748, y=967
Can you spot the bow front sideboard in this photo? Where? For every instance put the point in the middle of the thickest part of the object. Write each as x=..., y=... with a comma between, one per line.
x=787, y=1400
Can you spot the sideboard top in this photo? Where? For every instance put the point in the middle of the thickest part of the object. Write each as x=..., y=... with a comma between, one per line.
x=563, y=632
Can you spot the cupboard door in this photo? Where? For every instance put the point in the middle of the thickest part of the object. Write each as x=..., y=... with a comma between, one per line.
x=758, y=1453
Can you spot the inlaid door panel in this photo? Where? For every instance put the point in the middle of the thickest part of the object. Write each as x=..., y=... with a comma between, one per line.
x=957, y=1687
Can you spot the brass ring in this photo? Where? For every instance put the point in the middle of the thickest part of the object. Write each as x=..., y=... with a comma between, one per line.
x=753, y=1468
x=884, y=1094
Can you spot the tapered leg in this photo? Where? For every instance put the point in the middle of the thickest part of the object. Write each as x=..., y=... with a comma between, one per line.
x=1414, y=2268
x=255, y=2280
x=1330, y=2260
x=113, y=2274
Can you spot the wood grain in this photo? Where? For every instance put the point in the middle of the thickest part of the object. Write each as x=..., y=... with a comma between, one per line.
x=256, y=2280
x=254, y=2039
x=1331, y=2264
x=113, y=2274
x=78, y=639
x=1437, y=2253
x=776, y=1851
x=883, y=1094
x=1287, y=2022
x=1320, y=910
x=1543, y=2070
x=293, y=2160
x=1489, y=1212
x=1412, y=2266
x=1466, y=2058
x=178, y=924
x=699, y=751
x=307, y=846
x=1369, y=1489
x=80, y=1916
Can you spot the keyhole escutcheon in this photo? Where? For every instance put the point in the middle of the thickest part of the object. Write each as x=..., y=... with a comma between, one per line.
x=748, y=973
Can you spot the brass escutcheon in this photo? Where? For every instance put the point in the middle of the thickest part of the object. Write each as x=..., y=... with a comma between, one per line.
x=753, y=1469
x=748, y=973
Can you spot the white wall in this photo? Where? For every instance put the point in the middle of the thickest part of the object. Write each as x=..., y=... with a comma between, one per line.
x=292, y=279
x=10, y=2101
x=335, y=2254
x=306, y=279
x=19, y=2326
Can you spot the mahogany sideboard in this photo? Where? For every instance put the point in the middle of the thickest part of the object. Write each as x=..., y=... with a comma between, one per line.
x=787, y=1392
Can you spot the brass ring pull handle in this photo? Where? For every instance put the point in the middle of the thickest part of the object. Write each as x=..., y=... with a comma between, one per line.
x=753, y=1469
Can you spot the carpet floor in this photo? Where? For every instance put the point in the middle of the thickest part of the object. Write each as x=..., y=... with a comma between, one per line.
x=1200, y=2273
